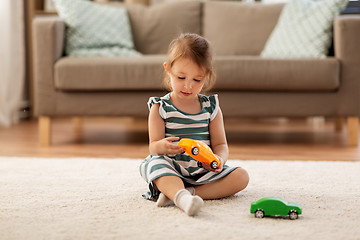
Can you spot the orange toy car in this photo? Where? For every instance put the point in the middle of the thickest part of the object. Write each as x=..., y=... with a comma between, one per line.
x=200, y=152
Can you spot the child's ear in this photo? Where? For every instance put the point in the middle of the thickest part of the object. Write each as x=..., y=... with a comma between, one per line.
x=166, y=67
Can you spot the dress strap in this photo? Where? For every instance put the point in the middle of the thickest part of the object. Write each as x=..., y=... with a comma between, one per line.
x=211, y=104
x=161, y=101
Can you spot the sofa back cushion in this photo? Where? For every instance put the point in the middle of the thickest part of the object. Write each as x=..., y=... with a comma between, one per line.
x=154, y=27
x=236, y=28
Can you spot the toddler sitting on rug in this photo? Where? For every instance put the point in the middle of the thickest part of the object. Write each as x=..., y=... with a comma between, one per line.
x=173, y=176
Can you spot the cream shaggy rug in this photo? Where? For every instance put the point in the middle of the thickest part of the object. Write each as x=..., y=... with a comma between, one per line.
x=101, y=199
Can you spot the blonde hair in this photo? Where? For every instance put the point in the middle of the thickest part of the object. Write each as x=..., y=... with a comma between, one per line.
x=196, y=48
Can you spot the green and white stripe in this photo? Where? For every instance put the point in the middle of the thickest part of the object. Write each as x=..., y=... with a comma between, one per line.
x=183, y=125
x=157, y=166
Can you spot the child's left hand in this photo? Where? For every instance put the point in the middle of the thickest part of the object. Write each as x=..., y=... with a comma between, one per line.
x=218, y=169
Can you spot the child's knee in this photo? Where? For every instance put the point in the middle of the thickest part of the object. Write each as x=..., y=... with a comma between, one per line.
x=242, y=178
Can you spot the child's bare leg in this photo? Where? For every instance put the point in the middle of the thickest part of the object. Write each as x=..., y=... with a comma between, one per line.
x=236, y=181
x=169, y=185
x=173, y=188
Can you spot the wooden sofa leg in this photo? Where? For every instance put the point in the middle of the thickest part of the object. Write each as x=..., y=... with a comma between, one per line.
x=353, y=131
x=78, y=126
x=44, y=131
x=338, y=124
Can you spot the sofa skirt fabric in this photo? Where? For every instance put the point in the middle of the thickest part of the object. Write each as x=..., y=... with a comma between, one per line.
x=235, y=104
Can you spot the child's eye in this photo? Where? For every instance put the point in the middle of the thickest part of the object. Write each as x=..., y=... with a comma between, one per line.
x=181, y=78
x=197, y=80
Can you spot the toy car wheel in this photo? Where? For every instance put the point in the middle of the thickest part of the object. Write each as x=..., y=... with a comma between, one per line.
x=214, y=165
x=199, y=164
x=293, y=215
x=195, y=151
x=259, y=213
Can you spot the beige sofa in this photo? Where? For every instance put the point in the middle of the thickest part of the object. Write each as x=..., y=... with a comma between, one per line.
x=248, y=85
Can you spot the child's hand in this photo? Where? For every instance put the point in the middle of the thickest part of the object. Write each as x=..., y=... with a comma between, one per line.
x=168, y=148
x=219, y=168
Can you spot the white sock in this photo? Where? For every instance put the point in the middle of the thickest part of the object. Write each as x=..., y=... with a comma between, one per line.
x=191, y=205
x=164, y=201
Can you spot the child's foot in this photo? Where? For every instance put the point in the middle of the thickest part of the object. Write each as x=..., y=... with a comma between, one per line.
x=163, y=201
x=191, y=205
x=195, y=206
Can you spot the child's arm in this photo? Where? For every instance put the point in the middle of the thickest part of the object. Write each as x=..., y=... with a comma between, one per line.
x=158, y=144
x=218, y=139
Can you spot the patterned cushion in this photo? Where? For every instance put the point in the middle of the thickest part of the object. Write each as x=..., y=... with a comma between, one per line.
x=304, y=29
x=95, y=30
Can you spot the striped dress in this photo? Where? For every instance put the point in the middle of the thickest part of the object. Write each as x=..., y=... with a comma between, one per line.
x=182, y=125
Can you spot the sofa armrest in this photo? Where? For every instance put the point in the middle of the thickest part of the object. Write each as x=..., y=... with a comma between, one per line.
x=346, y=44
x=48, y=45
x=346, y=38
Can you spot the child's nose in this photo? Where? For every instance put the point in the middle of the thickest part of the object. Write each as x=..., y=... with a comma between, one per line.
x=188, y=85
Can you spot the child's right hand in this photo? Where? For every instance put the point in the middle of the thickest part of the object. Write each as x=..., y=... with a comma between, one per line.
x=168, y=148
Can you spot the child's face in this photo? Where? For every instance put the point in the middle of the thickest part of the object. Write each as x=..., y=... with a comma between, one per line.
x=186, y=77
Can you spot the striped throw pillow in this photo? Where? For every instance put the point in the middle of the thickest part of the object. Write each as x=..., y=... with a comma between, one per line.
x=304, y=29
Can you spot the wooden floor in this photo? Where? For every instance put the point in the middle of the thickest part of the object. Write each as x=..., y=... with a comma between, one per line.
x=249, y=139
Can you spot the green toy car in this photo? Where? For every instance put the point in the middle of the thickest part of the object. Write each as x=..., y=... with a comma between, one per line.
x=274, y=206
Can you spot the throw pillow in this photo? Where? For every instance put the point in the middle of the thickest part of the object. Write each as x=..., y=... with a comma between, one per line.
x=94, y=29
x=304, y=29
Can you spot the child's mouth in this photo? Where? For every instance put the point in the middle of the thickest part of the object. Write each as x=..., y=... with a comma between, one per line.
x=186, y=94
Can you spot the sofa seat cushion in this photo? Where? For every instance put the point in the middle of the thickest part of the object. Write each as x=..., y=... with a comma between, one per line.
x=233, y=73
x=109, y=73
x=256, y=73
